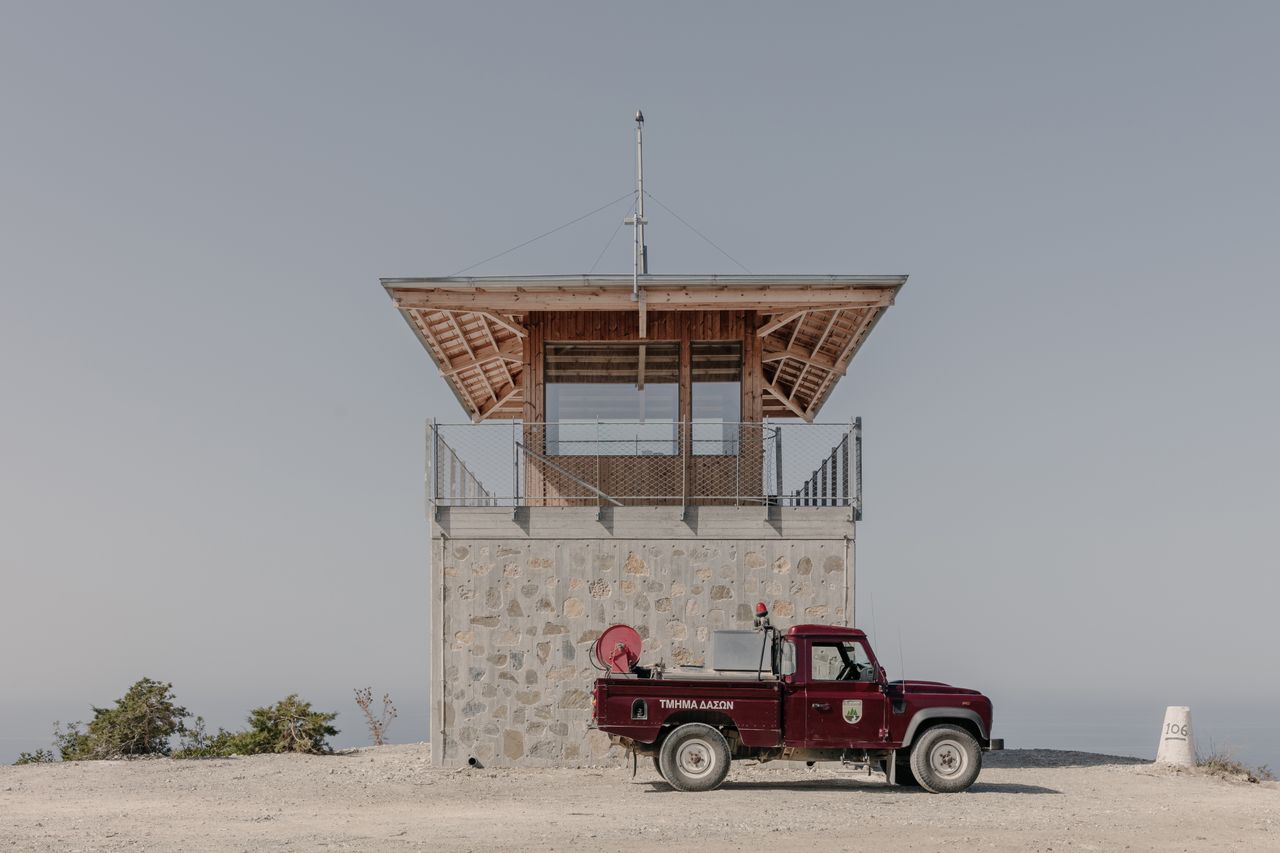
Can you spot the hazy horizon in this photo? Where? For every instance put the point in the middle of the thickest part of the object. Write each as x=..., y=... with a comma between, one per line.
x=212, y=419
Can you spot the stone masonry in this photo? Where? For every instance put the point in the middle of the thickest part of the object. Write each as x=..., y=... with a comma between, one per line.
x=519, y=601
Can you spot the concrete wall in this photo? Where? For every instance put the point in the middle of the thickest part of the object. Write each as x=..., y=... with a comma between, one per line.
x=517, y=603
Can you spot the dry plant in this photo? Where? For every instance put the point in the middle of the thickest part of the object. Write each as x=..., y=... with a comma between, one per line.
x=1221, y=763
x=377, y=725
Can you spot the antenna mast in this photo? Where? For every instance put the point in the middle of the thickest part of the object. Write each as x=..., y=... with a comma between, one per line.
x=640, y=249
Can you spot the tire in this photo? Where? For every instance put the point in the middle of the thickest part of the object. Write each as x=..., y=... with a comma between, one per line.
x=945, y=759
x=694, y=757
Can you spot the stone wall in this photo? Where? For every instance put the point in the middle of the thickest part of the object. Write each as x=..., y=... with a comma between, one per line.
x=519, y=601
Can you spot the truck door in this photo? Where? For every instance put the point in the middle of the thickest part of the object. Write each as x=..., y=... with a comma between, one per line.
x=843, y=704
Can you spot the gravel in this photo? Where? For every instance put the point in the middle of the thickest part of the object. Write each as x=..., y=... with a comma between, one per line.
x=390, y=799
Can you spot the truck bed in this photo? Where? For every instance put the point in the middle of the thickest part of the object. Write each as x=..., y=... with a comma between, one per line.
x=637, y=707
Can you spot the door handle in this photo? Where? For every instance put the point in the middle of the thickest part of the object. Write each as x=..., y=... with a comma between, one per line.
x=821, y=706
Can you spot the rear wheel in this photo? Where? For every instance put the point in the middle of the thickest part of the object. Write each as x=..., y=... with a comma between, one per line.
x=945, y=759
x=694, y=757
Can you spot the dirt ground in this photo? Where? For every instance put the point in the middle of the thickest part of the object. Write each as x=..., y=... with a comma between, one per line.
x=388, y=799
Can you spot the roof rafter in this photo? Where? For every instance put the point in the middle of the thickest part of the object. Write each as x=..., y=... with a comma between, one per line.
x=860, y=332
x=513, y=328
x=457, y=327
x=778, y=322
x=818, y=360
x=484, y=323
x=786, y=401
x=499, y=400
x=816, y=347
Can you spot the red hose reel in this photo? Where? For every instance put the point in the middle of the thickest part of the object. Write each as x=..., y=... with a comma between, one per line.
x=618, y=648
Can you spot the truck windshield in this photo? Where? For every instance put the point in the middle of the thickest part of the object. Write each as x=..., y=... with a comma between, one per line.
x=840, y=661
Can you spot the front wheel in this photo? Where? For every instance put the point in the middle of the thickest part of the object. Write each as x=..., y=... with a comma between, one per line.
x=945, y=760
x=694, y=757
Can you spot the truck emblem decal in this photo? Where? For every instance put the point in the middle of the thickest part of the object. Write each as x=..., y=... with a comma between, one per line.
x=700, y=704
x=852, y=711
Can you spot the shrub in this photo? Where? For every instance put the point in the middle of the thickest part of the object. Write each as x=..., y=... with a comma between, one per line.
x=198, y=743
x=40, y=756
x=377, y=725
x=290, y=725
x=1220, y=762
x=142, y=723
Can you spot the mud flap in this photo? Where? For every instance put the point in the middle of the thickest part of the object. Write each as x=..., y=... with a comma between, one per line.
x=892, y=772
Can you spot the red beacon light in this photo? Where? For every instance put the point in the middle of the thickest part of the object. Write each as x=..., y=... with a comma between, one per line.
x=762, y=616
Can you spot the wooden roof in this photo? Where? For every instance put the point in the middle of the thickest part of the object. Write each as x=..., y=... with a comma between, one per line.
x=811, y=326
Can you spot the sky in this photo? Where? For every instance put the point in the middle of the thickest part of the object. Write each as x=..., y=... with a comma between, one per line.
x=211, y=417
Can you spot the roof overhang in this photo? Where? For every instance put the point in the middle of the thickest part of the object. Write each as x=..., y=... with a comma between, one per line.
x=811, y=326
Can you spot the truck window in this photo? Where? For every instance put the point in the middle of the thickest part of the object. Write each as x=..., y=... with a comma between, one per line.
x=786, y=658
x=840, y=661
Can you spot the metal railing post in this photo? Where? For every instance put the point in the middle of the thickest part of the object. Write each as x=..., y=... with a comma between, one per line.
x=857, y=455
x=844, y=470
x=822, y=494
x=737, y=472
x=777, y=462
x=433, y=466
x=684, y=434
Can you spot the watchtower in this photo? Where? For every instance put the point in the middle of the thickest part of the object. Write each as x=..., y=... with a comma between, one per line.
x=637, y=448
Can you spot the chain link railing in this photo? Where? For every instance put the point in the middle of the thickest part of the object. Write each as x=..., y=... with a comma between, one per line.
x=636, y=463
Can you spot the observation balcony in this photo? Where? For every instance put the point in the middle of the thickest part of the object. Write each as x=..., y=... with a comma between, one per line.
x=608, y=463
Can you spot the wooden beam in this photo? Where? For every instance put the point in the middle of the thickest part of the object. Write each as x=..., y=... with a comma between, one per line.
x=484, y=356
x=816, y=347
x=511, y=327
x=644, y=315
x=462, y=336
x=786, y=401
x=795, y=330
x=493, y=341
x=846, y=355
x=499, y=400
x=855, y=340
x=822, y=361
x=427, y=335
x=778, y=322
x=658, y=298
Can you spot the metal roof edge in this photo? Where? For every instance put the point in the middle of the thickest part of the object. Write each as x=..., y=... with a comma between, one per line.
x=614, y=280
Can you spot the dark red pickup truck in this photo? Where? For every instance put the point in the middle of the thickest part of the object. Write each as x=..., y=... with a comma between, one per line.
x=818, y=695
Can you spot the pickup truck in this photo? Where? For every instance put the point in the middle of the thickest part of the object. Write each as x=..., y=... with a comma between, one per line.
x=821, y=696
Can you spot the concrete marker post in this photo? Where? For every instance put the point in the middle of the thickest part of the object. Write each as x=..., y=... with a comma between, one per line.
x=1177, y=740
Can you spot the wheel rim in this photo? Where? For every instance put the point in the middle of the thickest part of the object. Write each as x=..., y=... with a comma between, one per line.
x=695, y=758
x=948, y=759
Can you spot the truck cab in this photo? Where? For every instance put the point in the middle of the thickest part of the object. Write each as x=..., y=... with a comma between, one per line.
x=819, y=694
x=834, y=695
